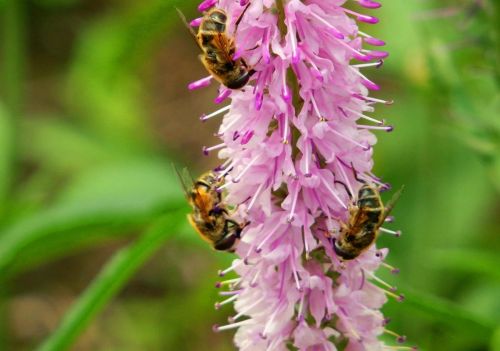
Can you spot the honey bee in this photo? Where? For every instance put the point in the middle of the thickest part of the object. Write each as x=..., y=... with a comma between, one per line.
x=210, y=216
x=218, y=49
x=366, y=217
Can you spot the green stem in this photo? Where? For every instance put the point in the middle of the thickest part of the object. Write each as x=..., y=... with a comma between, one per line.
x=108, y=283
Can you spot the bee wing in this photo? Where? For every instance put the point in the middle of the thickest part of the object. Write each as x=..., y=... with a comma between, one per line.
x=193, y=33
x=184, y=178
x=390, y=204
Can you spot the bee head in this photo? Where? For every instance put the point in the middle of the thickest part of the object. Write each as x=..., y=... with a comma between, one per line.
x=342, y=252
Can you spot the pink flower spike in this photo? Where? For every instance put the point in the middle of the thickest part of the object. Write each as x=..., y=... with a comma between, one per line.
x=297, y=145
x=205, y=5
x=204, y=82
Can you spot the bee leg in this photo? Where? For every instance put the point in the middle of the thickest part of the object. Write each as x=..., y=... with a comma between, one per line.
x=240, y=18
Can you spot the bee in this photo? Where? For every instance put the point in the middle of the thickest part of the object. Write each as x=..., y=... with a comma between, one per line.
x=218, y=49
x=366, y=217
x=209, y=216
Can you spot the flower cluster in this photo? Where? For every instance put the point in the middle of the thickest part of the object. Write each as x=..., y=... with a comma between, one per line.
x=292, y=139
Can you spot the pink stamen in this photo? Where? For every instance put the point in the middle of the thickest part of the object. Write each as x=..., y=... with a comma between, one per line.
x=201, y=83
x=205, y=5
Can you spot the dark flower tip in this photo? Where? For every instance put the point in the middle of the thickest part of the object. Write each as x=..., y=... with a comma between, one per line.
x=401, y=297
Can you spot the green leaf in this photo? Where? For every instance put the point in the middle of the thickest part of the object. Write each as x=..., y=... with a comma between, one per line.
x=109, y=281
x=469, y=261
x=449, y=313
x=101, y=201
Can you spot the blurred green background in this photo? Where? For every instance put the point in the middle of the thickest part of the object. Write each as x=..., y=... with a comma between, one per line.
x=95, y=252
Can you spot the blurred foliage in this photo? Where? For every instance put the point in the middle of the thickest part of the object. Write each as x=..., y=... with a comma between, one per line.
x=89, y=88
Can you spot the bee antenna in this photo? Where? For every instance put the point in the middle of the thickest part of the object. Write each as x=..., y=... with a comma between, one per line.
x=181, y=180
x=345, y=187
x=188, y=26
x=355, y=173
x=392, y=202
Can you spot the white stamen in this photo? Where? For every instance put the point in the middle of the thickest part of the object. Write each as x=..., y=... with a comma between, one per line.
x=226, y=301
x=229, y=269
x=384, y=128
x=268, y=236
x=344, y=175
x=332, y=191
x=206, y=150
x=226, y=127
x=226, y=171
x=213, y=114
x=294, y=271
x=246, y=309
x=363, y=65
x=386, y=102
x=384, y=283
x=364, y=147
x=301, y=306
x=315, y=106
x=359, y=114
x=326, y=23
x=254, y=279
x=294, y=202
x=360, y=74
x=388, y=231
x=255, y=196
x=247, y=167
x=234, y=325
x=285, y=130
x=230, y=292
